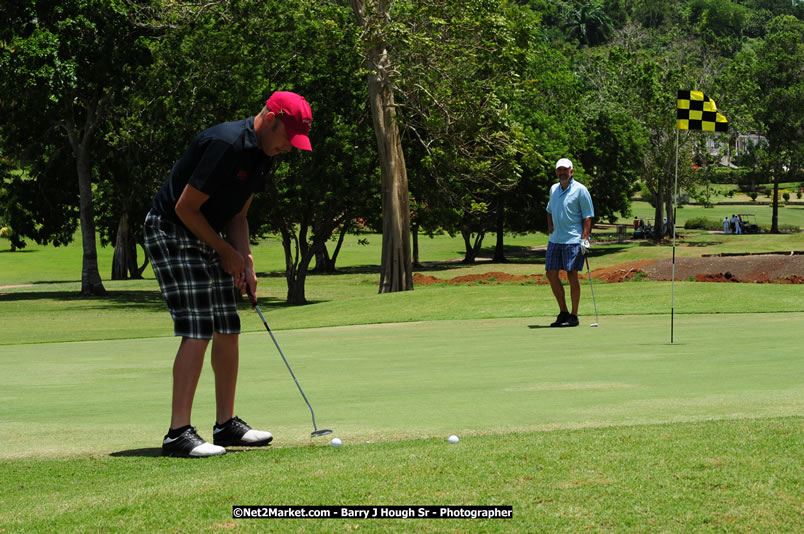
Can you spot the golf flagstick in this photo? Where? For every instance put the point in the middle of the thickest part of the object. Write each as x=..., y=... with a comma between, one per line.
x=316, y=432
x=673, y=277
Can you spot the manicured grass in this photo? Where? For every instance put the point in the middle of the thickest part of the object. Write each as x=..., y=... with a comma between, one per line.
x=421, y=379
x=622, y=432
x=46, y=311
x=605, y=429
x=713, y=476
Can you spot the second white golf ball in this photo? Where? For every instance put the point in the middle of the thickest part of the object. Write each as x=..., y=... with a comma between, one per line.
x=336, y=442
x=453, y=439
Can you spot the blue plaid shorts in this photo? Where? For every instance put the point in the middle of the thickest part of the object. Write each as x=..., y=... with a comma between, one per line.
x=563, y=257
x=200, y=295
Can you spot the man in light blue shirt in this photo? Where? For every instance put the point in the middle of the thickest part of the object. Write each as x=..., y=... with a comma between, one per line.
x=569, y=222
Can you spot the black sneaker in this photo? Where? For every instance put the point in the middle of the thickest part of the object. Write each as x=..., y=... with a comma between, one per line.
x=236, y=433
x=561, y=320
x=572, y=320
x=189, y=445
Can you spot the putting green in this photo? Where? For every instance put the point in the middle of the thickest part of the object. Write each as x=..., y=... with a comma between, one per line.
x=393, y=381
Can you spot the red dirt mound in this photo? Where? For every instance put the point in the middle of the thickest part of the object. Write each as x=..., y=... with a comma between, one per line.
x=485, y=278
x=763, y=269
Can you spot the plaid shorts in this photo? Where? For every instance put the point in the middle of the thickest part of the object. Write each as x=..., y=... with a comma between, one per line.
x=200, y=295
x=563, y=257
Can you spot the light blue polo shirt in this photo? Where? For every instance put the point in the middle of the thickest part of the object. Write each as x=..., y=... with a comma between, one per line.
x=569, y=208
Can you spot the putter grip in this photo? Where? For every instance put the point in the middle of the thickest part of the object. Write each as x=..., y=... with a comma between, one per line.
x=250, y=296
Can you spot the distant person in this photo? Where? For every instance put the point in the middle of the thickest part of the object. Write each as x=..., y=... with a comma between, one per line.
x=733, y=224
x=201, y=272
x=569, y=222
x=726, y=224
x=738, y=226
x=636, y=224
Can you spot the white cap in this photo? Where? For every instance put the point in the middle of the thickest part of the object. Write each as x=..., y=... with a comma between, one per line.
x=564, y=162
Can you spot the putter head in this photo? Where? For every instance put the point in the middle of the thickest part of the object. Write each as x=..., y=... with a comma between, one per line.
x=594, y=325
x=322, y=432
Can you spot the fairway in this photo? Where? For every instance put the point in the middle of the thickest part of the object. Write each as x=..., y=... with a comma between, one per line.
x=605, y=429
x=414, y=380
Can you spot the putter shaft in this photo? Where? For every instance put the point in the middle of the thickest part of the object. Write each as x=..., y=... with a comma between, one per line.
x=591, y=287
x=316, y=431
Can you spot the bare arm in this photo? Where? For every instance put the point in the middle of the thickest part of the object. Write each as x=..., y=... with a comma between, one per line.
x=587, y=228
x=238, y=232
x=188, y=209
x=549, y=224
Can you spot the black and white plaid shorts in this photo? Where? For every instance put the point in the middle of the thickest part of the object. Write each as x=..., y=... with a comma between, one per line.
x=200, y=295
x=563, y=257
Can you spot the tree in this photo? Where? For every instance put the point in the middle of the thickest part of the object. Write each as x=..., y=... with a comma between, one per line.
x=641, y=73
x=780, y=113
x=461, y=62
x=60, y=66
x=612, y=158
x=396, y=273
x=587, y=22
x=212, y=68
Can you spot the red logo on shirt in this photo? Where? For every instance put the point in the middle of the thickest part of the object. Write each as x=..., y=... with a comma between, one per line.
x=242, y=175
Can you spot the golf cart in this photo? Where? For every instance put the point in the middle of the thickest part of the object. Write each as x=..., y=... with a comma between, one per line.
x=644, y=231
x=749, y=223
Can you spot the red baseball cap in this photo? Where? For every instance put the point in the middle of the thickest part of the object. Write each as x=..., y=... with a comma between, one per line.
x=296, y=115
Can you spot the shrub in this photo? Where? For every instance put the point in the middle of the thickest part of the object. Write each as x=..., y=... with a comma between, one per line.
x=703, y=223
x=753, y=195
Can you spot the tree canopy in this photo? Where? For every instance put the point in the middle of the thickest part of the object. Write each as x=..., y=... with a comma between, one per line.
x=100, y=97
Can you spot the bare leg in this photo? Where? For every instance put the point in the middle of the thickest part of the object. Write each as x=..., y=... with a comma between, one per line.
x=186, y=371
x=225, y=361
x=575, y=290
x=558, y=289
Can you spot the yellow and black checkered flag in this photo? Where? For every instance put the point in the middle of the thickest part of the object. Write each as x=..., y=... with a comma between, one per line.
x=696, y=111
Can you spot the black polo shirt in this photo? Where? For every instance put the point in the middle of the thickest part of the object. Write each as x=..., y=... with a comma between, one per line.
x=223, y=162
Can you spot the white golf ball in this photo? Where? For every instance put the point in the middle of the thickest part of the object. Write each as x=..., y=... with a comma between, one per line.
x=336, y=442
x=453, y=439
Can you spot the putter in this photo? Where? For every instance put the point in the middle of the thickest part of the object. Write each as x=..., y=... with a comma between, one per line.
x=316, y=432
x=589, y=272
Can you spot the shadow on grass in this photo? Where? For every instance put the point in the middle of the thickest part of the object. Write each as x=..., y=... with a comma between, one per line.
x=115, y=300
x=150, y=452
x=156, y=452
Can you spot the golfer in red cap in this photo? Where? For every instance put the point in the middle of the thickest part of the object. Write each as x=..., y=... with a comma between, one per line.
x=197, y=238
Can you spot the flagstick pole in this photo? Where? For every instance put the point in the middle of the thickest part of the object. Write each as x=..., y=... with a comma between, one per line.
x=673, y=277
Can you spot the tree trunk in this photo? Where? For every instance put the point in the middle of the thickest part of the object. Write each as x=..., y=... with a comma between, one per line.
x=415, y=238
x=472, y=249
x=396, y=272
x=124, y=263
x=668, y=209
x=499, y=248
x=295, y=267
x=119, y=260
x=334, y=258
x=323, y=263
x=658, y=227
x=777, y=171
x=91, y=284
